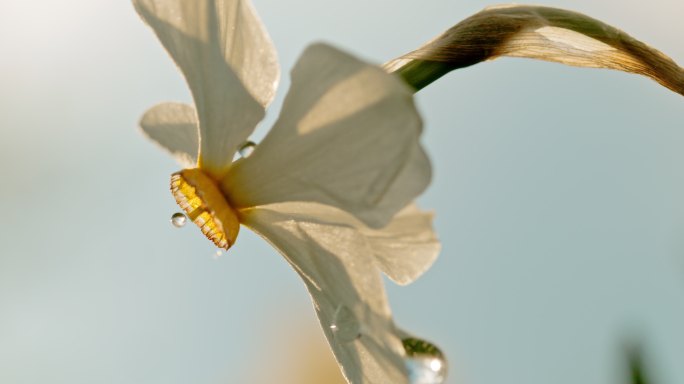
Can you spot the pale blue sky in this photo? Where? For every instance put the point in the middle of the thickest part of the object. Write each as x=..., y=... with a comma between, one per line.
x=558, y=195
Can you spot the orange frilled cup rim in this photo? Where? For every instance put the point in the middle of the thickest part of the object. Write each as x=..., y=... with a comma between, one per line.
x=201, y=199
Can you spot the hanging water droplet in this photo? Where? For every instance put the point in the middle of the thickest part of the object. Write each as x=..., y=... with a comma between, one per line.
x=345, y=325
x=425, y=362
x=178, y=219
x=218, y=254
x=246, y=149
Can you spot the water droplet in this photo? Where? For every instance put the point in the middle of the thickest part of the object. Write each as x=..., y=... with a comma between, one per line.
x=345, y=326
x=218, y=254
x=426, y=364
x=246, y=149
x=178, y=219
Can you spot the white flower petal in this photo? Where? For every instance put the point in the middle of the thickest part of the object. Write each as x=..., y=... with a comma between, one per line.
x=174, y=127
x=406, y=247
x=333, y=262
x=348, y=135
x=249, y=49
x=403, y=250
x=204, y=37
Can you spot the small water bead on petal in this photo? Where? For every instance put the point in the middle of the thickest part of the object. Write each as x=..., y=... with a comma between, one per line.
x=346, y=327
x=426, y=364
x=246, y=149
x=426, y=370
x=178, y=220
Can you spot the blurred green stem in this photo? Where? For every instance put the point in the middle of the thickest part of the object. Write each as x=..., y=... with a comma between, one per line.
x=421, y=73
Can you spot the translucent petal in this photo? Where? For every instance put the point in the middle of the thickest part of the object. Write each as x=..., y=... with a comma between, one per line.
x=332, y=260
x=210, y=41
x=348, y=136
x=249, y=49
x=174, y=127
x=403, y=250
x=406, y=247
x=540, y=33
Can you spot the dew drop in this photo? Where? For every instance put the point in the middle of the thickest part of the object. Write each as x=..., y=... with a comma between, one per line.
x=345, y=325
x=246, y=149
x=178, y=220
x=426, y=364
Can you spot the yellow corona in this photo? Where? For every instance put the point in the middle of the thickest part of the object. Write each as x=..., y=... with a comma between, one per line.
x=201, y=199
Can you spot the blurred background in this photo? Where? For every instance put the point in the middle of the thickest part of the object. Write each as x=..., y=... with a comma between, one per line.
x=558, y=193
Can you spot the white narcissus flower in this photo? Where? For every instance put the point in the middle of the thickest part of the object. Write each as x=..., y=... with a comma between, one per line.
x=330, y=186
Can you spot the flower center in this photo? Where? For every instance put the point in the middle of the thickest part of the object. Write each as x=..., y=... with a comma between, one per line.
x=205, y=205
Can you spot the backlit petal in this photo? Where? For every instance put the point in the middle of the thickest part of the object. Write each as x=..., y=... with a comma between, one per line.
x=209, y=40
x=403, y=250
x=406, y=247
x=540, y=33
x=174, y=127
x=348, y=136
x=332, y=259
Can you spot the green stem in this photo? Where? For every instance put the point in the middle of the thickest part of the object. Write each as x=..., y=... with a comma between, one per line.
x=421, y=73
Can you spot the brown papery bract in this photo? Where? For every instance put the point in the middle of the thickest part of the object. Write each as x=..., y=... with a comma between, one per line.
x=536, y=32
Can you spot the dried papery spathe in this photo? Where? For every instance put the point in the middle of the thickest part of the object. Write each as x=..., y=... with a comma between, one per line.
x=536, y=32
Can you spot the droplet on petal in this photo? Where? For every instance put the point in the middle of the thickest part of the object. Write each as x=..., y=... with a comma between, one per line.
x=246, y=149
x=345, y=325
x=178, y=220
x=426, y=364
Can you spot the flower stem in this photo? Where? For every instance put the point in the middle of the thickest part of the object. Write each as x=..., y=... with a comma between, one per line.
x=421, y=73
